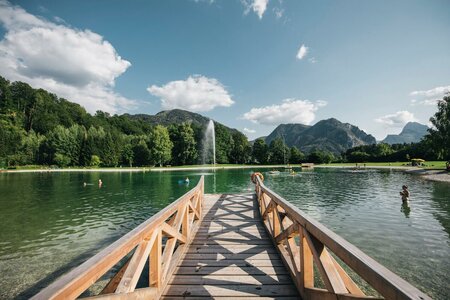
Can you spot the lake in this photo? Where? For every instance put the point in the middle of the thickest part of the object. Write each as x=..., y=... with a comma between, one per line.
x=51, y=222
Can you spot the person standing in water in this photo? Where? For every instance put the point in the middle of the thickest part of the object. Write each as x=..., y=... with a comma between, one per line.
x=100, y=183
x=405, y=193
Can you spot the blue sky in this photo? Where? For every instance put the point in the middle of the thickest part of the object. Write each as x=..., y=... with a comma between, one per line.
x=248, y=64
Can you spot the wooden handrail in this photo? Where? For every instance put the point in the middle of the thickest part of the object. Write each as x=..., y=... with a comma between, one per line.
x=178, y=222
x=303, y=242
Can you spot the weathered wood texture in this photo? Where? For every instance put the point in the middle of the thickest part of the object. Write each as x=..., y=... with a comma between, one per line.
x=176, y=225
x=231, y=256
x=304, y=243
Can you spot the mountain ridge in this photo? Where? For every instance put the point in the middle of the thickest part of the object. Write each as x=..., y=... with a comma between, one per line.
x=329, y=134
x=413, y=132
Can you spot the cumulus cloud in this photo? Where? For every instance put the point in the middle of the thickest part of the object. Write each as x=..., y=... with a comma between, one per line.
x=249, y=130
x=429, y=97
x=75, y=64
x=302, y=52
x=258, y=6
x=196, y=93
x=399, y=119
x=289, y=111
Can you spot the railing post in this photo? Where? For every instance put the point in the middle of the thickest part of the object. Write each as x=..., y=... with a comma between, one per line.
x=306, y=279
x=155, y=262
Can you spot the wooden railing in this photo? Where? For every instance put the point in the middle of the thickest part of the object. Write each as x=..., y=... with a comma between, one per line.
x=304, y=242
x=176, y=225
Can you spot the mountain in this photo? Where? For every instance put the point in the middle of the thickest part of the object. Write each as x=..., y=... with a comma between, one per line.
x=413, y=132
x=331, y=135
x=177, y=116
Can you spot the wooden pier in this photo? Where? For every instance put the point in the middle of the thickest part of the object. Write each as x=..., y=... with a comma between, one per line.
x=231, y=255
x=239, y=246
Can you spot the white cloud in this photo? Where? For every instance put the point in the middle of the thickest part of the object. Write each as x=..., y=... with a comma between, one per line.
x=289, y=111
x=302, y=52
x=249, y=130
x=312, y=60
x=429, y=97
x=426, y=102
x=75, y=64
x=258, y=6
x=399, y=119
x=438, y=92
x=197, y=93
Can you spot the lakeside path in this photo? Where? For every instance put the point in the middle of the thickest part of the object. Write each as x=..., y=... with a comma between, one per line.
x=434, y=175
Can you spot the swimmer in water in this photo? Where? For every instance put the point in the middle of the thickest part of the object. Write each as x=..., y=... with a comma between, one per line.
x=100, y=183
x=405, y=193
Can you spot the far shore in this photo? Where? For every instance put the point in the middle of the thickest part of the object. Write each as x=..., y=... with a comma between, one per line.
x=428, y=174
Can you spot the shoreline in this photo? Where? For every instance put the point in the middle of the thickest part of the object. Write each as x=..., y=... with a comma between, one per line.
x=432, y=175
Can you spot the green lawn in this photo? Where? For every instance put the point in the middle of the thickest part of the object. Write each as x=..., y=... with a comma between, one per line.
x=427, y=164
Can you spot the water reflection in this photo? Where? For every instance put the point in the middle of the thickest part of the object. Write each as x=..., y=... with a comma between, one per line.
x=51, y=222
x=405, y=209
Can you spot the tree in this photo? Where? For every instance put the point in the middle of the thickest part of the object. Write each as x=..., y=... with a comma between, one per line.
x=241, y=150
x=141, y=154
x=10, y=141
x=224, y=144
x=260, y=151
x=439, y=136
x=296, y=156
x=184, y=149
x=321, y=157
x=278, y=152
x=160, y=145
x=358, y=156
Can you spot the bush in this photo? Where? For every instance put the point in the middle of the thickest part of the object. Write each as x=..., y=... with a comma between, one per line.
x=61, y=160
x=95, y=161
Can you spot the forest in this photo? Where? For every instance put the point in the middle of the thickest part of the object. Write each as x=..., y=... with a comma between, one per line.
x=39, y=128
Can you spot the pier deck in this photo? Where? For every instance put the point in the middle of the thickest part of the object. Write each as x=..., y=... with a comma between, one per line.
x=231, y=255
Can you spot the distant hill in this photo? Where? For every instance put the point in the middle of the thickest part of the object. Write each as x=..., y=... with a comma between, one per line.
x=177, y=116
x=331, y=135
x=413, y=132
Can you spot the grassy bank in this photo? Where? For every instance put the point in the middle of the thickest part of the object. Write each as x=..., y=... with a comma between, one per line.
x=440, y=165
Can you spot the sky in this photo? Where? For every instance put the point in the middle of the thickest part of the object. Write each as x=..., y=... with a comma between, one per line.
x=249, y=64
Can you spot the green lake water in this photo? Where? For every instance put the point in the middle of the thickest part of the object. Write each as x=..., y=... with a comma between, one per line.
x=51, y=223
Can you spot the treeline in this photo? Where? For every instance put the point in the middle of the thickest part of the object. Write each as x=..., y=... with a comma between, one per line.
x=38, y=128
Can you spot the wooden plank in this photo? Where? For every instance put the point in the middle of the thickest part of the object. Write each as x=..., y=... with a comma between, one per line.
x=144, y=293
x=287, y=233
x=155, y=262
x=319, y=294
x=172, y=232
x=136, y=265
x=330, y=275
x=234, y=298
x=231, y=290
x=232, y=262
x=231, y=279
x=115, y=280
x=231, y=270
x=306, y=264
x=219, y=256
x=240, y=234
x=220, y=241
x=349, y=283
x=229, y=249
